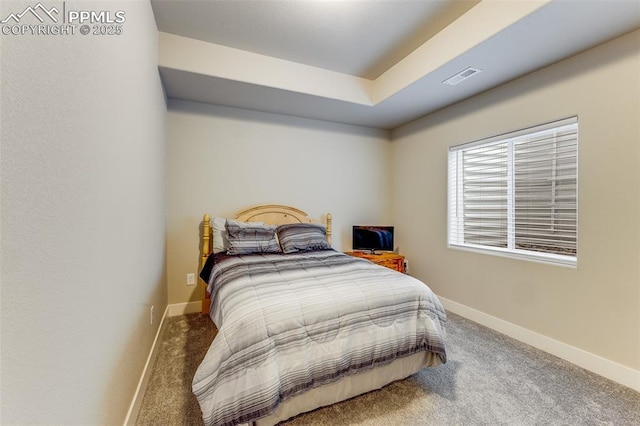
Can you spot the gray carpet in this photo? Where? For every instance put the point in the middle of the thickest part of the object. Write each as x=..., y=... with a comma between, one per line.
x=489, y=379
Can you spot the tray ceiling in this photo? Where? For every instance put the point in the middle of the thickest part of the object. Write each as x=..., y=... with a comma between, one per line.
x=370, y=63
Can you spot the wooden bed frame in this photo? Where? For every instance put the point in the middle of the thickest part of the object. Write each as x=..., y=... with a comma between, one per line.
x=348, y=386
x=271, y=214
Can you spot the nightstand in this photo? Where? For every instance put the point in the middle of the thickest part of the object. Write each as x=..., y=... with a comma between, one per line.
x=390, y=260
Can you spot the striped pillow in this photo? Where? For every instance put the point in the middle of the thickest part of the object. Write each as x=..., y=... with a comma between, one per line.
x=297, y=237
x=220, y=240
x=251, y=238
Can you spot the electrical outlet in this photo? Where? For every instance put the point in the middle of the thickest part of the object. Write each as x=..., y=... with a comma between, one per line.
x=191, y=278
x=151, y=316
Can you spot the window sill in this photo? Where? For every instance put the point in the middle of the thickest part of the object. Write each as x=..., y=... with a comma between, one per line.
x=548, y=258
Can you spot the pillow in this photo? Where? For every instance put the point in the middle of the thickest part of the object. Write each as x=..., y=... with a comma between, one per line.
x=295, y=237
x=251, y=238
x=220, y=239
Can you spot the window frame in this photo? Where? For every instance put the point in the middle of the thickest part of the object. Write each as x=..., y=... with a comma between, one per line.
x=455, y=226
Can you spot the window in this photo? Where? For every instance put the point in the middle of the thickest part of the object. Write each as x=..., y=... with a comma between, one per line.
x=517, y=194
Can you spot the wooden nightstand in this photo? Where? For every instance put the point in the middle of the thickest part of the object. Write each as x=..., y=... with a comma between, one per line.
x=390, y=260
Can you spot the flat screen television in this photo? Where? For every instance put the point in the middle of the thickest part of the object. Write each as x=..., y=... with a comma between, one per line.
x=373, y=238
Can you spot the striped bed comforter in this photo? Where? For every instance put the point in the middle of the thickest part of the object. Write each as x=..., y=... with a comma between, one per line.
x=291, y=322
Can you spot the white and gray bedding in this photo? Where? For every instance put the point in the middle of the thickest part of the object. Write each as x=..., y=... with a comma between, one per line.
x=288, y=323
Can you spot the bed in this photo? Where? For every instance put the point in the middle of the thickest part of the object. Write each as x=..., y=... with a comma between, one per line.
x=300, y=325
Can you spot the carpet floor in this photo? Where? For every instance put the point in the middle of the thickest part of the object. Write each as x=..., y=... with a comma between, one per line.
x=489, y=379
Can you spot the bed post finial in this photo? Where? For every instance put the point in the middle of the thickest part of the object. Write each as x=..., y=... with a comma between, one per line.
x=329, y=220
x=206, y=235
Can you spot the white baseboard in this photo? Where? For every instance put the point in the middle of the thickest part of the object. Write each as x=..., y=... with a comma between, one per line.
x=611, y=370
x=134, y=408
x=170, y=311
x=184, y=308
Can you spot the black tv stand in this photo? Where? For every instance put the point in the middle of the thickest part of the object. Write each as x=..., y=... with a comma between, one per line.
x=370, y=252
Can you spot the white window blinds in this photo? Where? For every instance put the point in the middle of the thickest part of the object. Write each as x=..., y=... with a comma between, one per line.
x=516, y=194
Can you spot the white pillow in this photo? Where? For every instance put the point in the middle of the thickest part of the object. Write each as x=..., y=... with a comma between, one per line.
x=220, y=239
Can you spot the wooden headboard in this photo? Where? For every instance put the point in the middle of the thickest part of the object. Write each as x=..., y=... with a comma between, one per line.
x=271, y=214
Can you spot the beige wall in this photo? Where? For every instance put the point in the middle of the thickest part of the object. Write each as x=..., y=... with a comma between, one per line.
x=222, y=160
x=595, y=307
x=83, y=202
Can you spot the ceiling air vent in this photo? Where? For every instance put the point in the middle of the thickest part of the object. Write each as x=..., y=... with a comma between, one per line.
x=462, y=75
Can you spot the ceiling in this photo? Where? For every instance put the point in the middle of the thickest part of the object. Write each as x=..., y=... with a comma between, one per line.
x=376, y=63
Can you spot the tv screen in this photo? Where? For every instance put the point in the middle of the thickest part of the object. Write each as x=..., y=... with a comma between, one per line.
x=373, y=238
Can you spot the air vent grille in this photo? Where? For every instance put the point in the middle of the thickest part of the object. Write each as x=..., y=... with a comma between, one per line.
x=462, y=75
